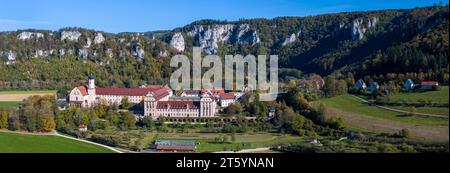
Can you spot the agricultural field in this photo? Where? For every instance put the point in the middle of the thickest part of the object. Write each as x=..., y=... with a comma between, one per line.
x=9, y=104
x=348, y=103
x=425, y=109
x=32, y=143
x=207, y=141
x=15, y=96
x=440, y=95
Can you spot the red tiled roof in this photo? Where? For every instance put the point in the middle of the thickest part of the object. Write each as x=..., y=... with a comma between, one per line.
x=123, y=91
x=429, y=83
x=82, y=126
x=227, y=96
x=158, y=92
x=192, y=92
x=217, y=91
x=319, y=80
x=83, y=90
x=178, y=104
x=180, y=148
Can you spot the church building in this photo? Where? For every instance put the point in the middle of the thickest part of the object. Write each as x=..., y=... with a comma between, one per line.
x=158, y=100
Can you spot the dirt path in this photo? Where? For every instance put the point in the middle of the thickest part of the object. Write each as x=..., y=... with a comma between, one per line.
x=374, y=124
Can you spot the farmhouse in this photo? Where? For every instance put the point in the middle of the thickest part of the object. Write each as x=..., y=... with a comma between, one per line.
x=429, y=85
x=360, y=85
x=373, y=87
x=408, y=85
x=226, y=99
x=158, y=100
x=82, y=128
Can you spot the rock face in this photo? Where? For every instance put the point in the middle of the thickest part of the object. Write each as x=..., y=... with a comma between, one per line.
x=9, y=55
x=372, y=22
x=83, y=53
x=210, y=36
x=138, y=52
x=98, y=39
x=43, y=53
x=247, y=36
x=358, y=29
x=177, y=42
x=62, y=52
x=29, y=35
x=163, y=53
x=70, y=35
x=109, y=53
x=88, y=43
x=289, y=39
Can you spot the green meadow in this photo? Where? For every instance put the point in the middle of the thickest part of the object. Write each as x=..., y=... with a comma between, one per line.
x=29, y=143
x=9, y=104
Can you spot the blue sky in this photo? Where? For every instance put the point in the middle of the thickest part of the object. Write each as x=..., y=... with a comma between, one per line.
x=148, y=15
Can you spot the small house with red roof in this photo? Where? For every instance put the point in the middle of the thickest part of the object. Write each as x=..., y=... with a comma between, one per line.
x=82, y=128
x=226, y=99
x=429, y=85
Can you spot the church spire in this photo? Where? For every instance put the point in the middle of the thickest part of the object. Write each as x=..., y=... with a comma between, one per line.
x=91, y=76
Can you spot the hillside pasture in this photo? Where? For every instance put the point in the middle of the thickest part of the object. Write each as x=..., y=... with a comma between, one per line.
x=360, y=116
x=439, y=96
x=348, y=103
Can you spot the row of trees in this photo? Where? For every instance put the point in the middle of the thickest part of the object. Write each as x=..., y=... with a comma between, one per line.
x=36, y=114
x=40, y=114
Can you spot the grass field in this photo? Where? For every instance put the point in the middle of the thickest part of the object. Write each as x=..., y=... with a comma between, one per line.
x=350, y=104
x=26, y=143
x=425, y=109
x=14, y=96
x=436, y=96
x=9, y=104
x=243, y=141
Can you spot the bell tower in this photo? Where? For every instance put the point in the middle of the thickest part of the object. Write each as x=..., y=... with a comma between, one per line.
x=91, y=84
x=91, y=90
